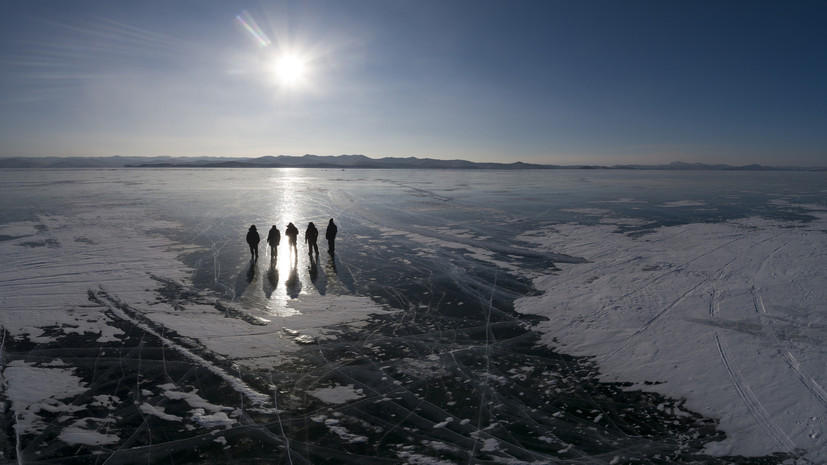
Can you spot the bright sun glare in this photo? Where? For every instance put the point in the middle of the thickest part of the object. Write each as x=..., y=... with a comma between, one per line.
x=291, y=70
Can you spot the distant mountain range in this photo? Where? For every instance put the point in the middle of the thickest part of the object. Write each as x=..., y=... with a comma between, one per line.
x=341, y=162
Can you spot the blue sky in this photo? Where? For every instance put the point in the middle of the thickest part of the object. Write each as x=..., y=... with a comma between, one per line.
x=561, y=82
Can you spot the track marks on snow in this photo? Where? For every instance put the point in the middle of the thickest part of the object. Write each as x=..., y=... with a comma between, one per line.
x=809, y=382
x=131, y=315
x=753, y=404
x=792, y=362
x=682, y=269
x=742, y=387
x=652, y=321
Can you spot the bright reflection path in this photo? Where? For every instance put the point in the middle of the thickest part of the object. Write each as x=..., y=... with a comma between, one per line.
x=288, y=276
x=283, y=270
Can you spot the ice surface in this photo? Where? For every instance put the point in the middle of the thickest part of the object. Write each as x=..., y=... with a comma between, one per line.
x=468, y=317
x=734, y=310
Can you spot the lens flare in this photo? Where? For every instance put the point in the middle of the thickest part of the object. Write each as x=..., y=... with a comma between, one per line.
x=285, y=62
x=247, y=23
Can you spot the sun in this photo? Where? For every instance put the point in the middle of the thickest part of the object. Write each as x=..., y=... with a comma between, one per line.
x=290, y=70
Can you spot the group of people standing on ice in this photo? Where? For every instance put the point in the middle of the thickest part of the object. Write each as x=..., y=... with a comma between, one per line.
x=311, y=234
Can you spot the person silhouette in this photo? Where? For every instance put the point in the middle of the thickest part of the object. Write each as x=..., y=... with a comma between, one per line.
x=311, y=234
x=252, y=240
x=273, y=238
x=292, y=234
x=330, y=235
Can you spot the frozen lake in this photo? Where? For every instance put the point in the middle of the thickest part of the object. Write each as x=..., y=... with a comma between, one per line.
x=565, y=316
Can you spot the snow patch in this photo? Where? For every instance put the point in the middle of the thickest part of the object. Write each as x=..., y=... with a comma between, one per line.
x=337, y=394
x=32, y=389
x=730, y=316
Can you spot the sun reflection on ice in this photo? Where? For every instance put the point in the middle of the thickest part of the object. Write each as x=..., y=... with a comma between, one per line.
x=289, y=282
x=285, y=273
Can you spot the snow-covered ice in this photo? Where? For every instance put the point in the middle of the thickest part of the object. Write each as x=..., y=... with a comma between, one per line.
x=467, y=317
x=729, y=315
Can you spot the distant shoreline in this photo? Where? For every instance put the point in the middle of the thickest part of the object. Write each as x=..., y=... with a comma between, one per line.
x=351, y=162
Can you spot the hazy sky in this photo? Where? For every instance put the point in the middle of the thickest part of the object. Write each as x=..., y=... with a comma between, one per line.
x=543, y=81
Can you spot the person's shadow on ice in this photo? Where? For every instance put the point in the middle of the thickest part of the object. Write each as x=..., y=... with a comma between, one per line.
x=244, y=279
x=321, y=284
x=272, y=280
x=293, y=284
x=341, y=276
x=251, y=272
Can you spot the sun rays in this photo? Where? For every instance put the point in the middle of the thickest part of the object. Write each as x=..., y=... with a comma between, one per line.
x=287, y=66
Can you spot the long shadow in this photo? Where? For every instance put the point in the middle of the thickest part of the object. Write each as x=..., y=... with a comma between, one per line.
x=271, y=283
x=293, y=284
x=244, y=279
x=318, y=280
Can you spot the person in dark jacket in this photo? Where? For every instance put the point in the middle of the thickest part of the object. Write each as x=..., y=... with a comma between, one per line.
x=330, y=235
x=311, y=234
x=292, y=233
x=252, y=240
x=273, y=239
